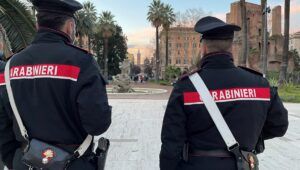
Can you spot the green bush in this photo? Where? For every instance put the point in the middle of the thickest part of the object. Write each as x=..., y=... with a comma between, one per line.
x=290, y=92
x=172, y=73
x=164, y=83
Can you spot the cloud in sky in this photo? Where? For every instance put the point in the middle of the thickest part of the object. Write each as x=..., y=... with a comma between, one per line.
x=221, y=16
x=141, y=36
x=295, y=8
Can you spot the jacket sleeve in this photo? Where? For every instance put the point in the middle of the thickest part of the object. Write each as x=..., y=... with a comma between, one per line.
x=8, y=142
x=92, y=102
x=173, y=135
x=277, y=119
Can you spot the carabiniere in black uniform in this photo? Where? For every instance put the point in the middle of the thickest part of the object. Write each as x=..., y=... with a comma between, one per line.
x=249, y=105
x=59, y=93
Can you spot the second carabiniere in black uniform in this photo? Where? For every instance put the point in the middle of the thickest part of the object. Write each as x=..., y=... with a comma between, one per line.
x=250, y=107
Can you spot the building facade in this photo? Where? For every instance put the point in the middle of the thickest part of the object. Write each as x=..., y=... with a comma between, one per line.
x=295, y=42
x=254, y=22
x=184, y=48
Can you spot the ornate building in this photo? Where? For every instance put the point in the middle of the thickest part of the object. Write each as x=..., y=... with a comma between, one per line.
x=254, y=19
x=184, y=46
x=295, y=42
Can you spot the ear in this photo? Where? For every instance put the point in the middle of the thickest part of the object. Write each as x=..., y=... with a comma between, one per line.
x=69, y=26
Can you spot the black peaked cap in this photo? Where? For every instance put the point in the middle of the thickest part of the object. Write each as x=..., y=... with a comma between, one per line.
x=214, y=28
x=64, y=7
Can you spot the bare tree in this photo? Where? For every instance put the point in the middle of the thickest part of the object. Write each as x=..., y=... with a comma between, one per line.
x=190, y=17
x=284, y=64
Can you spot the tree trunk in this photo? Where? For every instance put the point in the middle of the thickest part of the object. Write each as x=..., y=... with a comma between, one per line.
x=244, y=55
x=80, y=41
x=106, y=58
x=157, y=57
x=263, y=6
x=89, y=43
x=167, y=48
x=284, y=64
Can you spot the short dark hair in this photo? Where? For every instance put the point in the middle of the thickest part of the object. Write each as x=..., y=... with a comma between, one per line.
x=51, y=20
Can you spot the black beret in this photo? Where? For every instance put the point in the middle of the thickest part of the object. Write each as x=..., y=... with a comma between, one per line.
x=215, y=29
x=64, y=7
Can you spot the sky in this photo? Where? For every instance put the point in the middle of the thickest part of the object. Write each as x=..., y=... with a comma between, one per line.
x=131, y=15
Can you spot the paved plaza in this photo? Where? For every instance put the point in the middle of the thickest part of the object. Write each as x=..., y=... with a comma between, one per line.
x=135, y=136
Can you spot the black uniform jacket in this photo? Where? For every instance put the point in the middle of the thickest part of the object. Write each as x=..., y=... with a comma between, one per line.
x=248, y=104
x=59, y=93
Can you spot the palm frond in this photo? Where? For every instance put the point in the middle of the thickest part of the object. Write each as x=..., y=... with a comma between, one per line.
x=17, y=22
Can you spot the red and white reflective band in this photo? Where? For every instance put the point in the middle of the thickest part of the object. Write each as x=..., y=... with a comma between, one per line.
x=2, y=80
x=229, y=95
x=57, y=71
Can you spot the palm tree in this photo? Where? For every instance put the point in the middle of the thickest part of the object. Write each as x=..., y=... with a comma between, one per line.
x=244, y=55
x=91, y=17
x=86, y=20
x=284, y=64
x=155, y=16
x=5, y=42
x=17, y=22
x=81, y=26
x=107, y=28
x=168, y=20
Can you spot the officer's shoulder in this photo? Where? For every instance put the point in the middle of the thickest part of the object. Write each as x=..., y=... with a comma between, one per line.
x=83, y=51
x=186, y=76
x=251, y=71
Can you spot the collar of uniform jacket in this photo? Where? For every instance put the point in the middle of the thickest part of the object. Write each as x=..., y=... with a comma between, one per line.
x=217, y=60
x=51, y=35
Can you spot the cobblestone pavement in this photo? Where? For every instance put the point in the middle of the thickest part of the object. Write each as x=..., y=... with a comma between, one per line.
x=135, y=136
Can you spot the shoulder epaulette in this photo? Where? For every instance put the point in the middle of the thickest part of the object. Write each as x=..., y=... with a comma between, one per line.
x=9, y=57
x=188, y=74
x=251, y=70
x=78, y=48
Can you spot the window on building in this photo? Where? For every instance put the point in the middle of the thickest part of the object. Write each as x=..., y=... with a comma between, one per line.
x=185, y=60
x=178, y=60
x=194, y=45
x=170, y=44
x=178, y=45
x=178, y=52
x=170, y=60
x=186, y=45
x=259, y=32
x=178, y=38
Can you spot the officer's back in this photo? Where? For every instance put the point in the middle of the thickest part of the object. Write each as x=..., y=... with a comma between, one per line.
x=57, y=87
x=248, y=104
